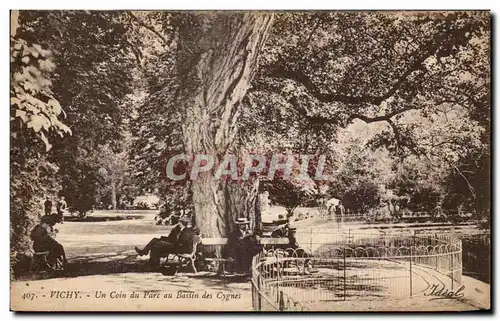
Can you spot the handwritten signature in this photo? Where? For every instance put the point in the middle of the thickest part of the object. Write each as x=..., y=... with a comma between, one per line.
x=443, y=293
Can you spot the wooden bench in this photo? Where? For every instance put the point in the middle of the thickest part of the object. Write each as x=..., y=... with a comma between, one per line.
x=221, y=241
x=214, y=241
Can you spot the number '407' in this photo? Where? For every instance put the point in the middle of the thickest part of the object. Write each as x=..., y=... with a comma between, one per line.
x=28, y=296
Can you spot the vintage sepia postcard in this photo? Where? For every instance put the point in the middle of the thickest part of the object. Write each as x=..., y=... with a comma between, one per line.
x=250, y=161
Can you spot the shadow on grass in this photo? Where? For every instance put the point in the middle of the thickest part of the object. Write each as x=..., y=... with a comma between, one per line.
x=335, y=289
x=89, y=266
x=112, y=265
x=102, y=218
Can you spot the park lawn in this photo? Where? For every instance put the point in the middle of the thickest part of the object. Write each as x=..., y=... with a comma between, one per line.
x=95, y=238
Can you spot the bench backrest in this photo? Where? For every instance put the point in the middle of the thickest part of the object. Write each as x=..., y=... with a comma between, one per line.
x=274, y=241
x=214, y=241
x=263, y=241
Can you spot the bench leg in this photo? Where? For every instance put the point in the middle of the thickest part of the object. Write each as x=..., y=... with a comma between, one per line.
x=221, y=264
x=194, y=267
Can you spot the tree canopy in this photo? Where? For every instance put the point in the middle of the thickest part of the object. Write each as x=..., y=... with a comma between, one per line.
x=399, y=102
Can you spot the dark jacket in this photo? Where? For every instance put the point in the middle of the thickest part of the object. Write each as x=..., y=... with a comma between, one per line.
x=292, y=242
x=184, y=242
x=238, y=239
x=280, y=232
x=243, y=245
x=173, y=236
x=242, y=248
x=48, y=207
x=42, y=235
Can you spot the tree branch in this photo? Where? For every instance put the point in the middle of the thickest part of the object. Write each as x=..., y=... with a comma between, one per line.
x=304, y=80
x=136, y=51
x=386, y=117
x=315, y=91
x=471, y=188
x=318, y=23
x=150, y=28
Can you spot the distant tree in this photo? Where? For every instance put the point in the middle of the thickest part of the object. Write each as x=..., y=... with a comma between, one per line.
x=94, y=62
x=287, y=193
x=362, y=196
x=114, y=168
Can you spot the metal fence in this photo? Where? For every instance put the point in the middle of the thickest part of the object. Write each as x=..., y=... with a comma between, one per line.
x=381, y=216
x=347, y=266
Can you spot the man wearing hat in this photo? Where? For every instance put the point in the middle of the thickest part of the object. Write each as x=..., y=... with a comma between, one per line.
x=244, y=244
x=180, y=240
x=292, y=240
x=43, y=236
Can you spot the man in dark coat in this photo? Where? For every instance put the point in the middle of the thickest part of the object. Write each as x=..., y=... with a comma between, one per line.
x=43, y=236
x=243, y=244
x=180, y=240
x=47, y=206
x=280, y=232
x=292, y=240
x=294, y=250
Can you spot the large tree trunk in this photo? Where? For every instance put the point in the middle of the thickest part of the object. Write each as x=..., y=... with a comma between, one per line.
x=217, y=58
x=242, y=200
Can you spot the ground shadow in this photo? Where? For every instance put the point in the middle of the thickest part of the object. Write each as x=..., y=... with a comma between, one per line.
x=89, y=266
x=120, y=264
x=102, y=218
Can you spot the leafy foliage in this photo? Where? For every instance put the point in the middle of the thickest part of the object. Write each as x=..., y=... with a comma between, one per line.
x=398, y=101
x=424, y=76
x=34, y=119
x=157, y=124
x=32, y=103
x=93, y=80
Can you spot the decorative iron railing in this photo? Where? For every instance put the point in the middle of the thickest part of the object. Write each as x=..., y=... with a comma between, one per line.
x=345, y=266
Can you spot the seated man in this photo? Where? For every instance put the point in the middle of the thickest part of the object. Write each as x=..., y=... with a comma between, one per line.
x=294, y=249
x=43, y=236
x=292, y=240
x=281, y=231
x=243, y=244
x=180, y=240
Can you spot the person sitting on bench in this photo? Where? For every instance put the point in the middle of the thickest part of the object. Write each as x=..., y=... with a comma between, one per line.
x=43, y=236
x=244, y=244
x=294, y=250
x=281, y=231
x=180, y=240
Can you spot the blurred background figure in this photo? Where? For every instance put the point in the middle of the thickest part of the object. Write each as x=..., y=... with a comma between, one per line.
x=61, y=209
x=47, y=205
